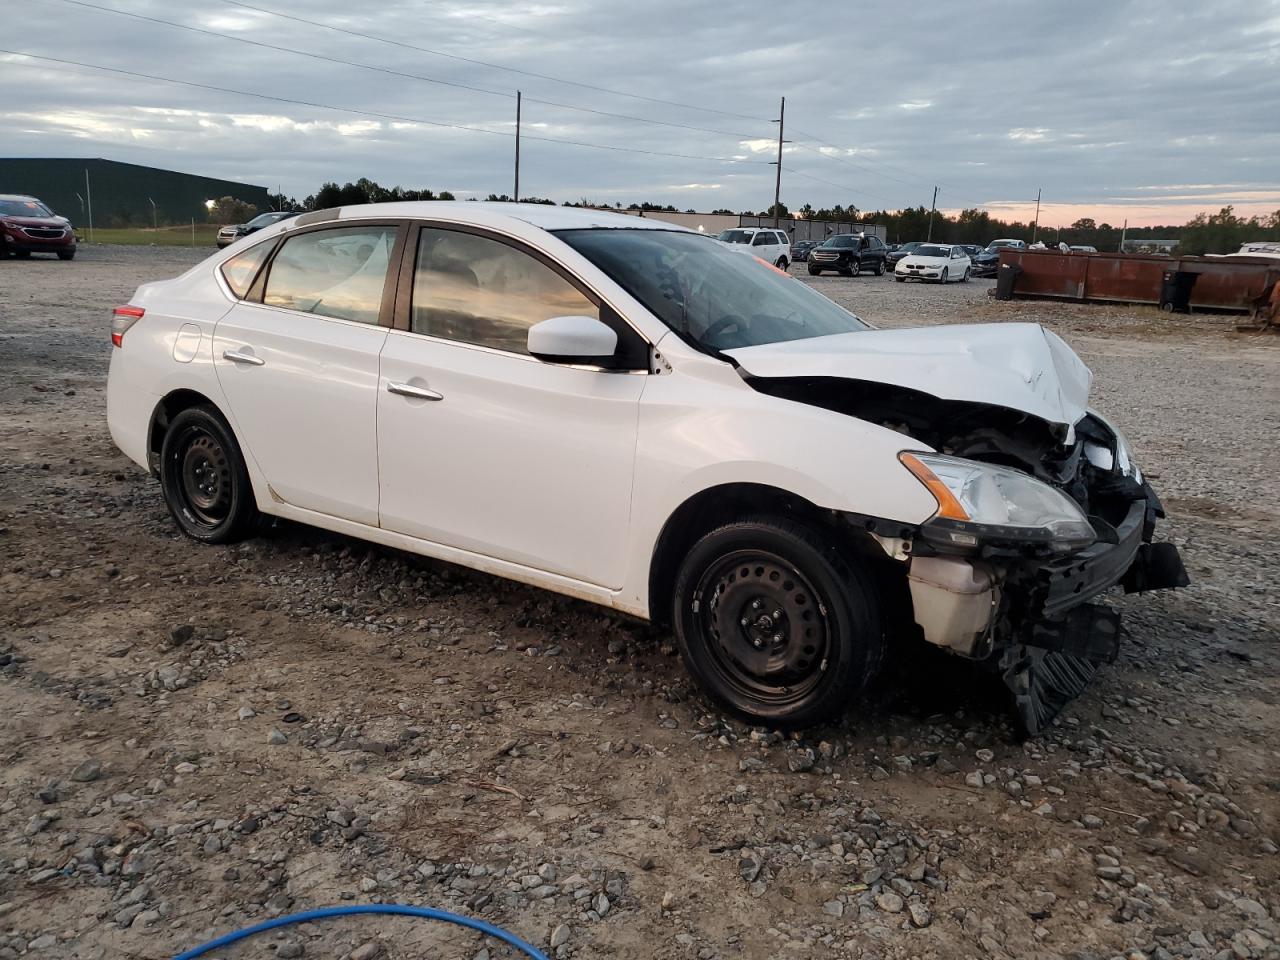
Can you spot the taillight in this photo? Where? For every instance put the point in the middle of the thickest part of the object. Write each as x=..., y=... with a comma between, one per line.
x=122, y=318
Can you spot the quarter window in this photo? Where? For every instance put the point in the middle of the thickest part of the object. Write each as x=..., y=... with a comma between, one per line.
x=240, y=270
x=334, y=273
x=481, y=291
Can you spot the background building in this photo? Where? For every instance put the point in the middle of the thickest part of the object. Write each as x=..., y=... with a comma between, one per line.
x=796, y=227
x=121, y=193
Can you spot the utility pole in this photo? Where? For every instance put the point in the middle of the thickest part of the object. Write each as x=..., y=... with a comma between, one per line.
x=932, y=207
x=1035, y=227
x=88, y=202
x=516, y=196
x=1123, y=230
x=154, y=222
x=777, y=183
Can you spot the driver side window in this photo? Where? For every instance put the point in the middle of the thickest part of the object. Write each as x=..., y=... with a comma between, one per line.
x=481, y=291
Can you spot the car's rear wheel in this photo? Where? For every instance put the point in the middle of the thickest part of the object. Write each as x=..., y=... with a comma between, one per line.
x=203, y=476
x=774, y=624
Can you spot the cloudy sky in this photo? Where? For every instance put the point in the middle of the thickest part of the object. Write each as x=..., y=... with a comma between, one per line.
x=1146, y=109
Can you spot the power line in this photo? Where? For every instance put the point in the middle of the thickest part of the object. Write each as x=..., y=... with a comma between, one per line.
x=493, y=66
x=840, y=186
x=375, y=115
x=399, y=73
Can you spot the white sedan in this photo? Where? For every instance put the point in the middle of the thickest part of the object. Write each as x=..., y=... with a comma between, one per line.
x=936, y=262
x=633, y=414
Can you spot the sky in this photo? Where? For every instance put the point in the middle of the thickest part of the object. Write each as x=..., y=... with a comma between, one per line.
x=1145, y=110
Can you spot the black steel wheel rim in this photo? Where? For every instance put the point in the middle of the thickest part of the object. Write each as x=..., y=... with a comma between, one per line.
x=204, y=478
x=767, y=630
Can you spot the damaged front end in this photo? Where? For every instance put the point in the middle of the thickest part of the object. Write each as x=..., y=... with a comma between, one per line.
x=1035, y=521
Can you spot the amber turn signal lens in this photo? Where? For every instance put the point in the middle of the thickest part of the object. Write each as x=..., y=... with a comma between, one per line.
x=948, y=506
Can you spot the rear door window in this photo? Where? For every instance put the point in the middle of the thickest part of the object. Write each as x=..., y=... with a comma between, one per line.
x=338, y=273
x=240, y=270
x=763, y=240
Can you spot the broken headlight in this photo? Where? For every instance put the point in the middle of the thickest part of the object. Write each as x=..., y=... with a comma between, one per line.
x=1123, y=457
x=980, y=502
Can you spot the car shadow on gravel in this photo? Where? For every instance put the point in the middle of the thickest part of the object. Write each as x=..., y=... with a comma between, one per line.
x=917, y=684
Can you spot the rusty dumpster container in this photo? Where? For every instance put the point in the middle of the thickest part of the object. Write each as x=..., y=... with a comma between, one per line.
x=1215, y=283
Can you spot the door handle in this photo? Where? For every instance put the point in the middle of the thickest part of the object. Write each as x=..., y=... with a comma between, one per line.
x=417, y=393
x=235, y=356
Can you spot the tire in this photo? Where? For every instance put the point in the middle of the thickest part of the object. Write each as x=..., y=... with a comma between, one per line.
x=880, y=268
x=22, y=254
x=945, y=275
x=901, y=279
x=66, y=254
x=782, y=263
x=799, y=663
x=814, y=271
x=205, y=483
x=965, y=278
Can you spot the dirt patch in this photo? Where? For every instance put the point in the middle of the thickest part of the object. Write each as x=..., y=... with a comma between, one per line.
x=199, y=738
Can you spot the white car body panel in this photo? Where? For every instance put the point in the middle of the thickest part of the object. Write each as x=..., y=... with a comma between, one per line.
x=308, y=414
x=523, y=461
x=957, y=267
x=768, y=252
x=1020, y=366
x=558, y=476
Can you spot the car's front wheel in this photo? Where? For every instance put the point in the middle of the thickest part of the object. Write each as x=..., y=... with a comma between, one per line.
x=965, y=278
x=814, y=271
x=66, y=254
x=774, y=624
x=880, y=268
x=203, y=476
x=781, y=263
x=945, y=275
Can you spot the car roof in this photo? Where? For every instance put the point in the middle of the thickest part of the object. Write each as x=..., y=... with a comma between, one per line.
x=494, y=214
x=19, y=196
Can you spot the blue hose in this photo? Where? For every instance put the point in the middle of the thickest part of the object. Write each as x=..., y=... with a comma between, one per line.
x=324, y=913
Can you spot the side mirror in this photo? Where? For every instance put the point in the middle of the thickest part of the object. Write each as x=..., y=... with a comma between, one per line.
x=573, y=340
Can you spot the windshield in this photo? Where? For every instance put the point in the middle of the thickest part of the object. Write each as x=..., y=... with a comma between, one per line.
x=842, y=242
x=931, y=250
x=711, y=296
x=24, y=208
x=735, y=236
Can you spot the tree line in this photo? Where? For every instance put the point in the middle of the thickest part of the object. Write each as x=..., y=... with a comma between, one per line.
x=1221, y=232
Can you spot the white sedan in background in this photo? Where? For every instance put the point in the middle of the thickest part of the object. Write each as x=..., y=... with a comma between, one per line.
x=938, y=262
x=633, y=414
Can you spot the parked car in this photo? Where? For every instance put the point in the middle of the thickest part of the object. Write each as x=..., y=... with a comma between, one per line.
x=986, y=263
x=934, y=262
x=233, y=232
x=629, y=412
x=1083, y=248
x=899, y=251
x=771, y=246
x=971, y=249
x=801, y=249
x=849, y=254
x=28, y=226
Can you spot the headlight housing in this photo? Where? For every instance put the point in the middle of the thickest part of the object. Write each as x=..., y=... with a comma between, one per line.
x=983, y=502
x=1123, y=452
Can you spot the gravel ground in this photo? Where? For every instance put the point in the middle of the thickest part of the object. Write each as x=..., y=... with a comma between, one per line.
x=198, y=738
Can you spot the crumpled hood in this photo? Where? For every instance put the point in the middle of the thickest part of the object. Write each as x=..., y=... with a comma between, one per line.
x=1020, y=366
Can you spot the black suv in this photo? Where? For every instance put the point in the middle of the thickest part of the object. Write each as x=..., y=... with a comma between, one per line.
x=849, y=254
